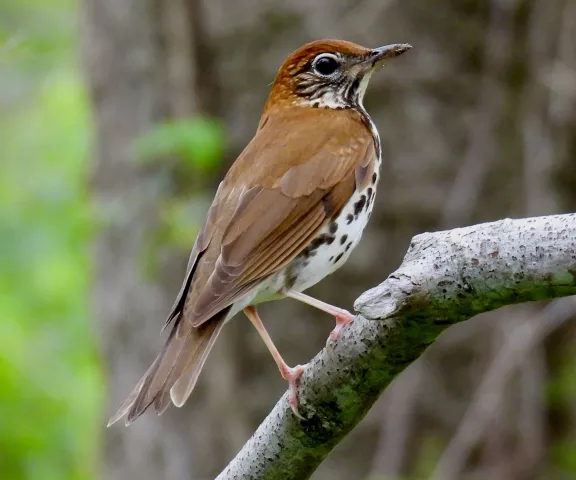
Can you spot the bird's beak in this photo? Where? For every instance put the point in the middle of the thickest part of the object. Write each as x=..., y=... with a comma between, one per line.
x=379, y=55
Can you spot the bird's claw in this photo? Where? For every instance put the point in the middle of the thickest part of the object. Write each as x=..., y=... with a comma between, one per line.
x=292, y=375
x=343, y=318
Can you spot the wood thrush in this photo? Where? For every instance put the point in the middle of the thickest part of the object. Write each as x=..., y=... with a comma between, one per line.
x=288, y=213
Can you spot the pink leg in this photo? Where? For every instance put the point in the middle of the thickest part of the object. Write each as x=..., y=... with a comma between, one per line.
x=343, y=317
x=292, y=375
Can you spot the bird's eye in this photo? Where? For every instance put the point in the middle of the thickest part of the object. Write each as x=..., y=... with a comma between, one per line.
x=325, y=64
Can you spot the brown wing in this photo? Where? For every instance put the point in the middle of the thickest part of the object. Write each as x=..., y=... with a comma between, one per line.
x=298, y=172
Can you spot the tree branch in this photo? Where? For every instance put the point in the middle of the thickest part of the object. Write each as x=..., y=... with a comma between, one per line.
x=446, y=277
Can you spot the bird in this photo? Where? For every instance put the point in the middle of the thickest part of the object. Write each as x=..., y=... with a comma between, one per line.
x=289, y=211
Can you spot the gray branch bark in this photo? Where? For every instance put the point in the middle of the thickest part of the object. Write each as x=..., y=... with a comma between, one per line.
x=446, y=277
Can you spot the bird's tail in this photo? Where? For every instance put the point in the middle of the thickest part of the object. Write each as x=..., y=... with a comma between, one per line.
x=173, y=375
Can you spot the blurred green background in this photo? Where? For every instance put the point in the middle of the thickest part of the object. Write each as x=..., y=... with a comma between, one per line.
x=51, y=381
x=99, y=209
x=51, y=385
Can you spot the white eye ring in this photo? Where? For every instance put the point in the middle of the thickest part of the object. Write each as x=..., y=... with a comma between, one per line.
x=326, y=64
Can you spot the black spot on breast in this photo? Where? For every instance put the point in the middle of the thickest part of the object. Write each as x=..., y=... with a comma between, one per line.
x=290, y=278
x=343, y=239
x=312, y=248
x=308, y=252
x=359, y=205
x=321, y=240
x=349, y=246
x=333, y=228
x=315, y=243
x=369, y=193
x=374, y=177
x=349, y=218
x=331, y=258
x=339, y=256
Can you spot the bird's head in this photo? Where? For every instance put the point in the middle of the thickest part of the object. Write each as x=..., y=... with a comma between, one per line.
x=329, y=74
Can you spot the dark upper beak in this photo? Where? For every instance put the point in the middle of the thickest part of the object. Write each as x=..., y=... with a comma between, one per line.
x=379, y=55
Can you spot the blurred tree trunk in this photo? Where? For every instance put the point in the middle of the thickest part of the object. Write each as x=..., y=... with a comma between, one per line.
x=126, y=69
x=141, y=61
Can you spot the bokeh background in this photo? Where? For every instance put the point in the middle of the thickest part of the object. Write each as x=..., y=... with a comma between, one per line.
x=117, y=120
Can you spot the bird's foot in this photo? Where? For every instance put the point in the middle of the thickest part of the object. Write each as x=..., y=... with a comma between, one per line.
x=343, y=318
x=292, y=376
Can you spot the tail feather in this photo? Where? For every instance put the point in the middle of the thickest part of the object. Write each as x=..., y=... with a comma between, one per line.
x=129, y=400
x=190, y=362
x=184, y=354
x=154, y=380
x=186, y=382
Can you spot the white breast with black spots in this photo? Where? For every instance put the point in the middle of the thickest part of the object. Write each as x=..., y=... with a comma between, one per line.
x=335, y=242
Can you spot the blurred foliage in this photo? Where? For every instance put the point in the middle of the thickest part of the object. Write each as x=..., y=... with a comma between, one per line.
x=190, y=151
x=50, y=382
x=51, y=386
x=561, y=391
x=198, y=141
x=181, y=220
